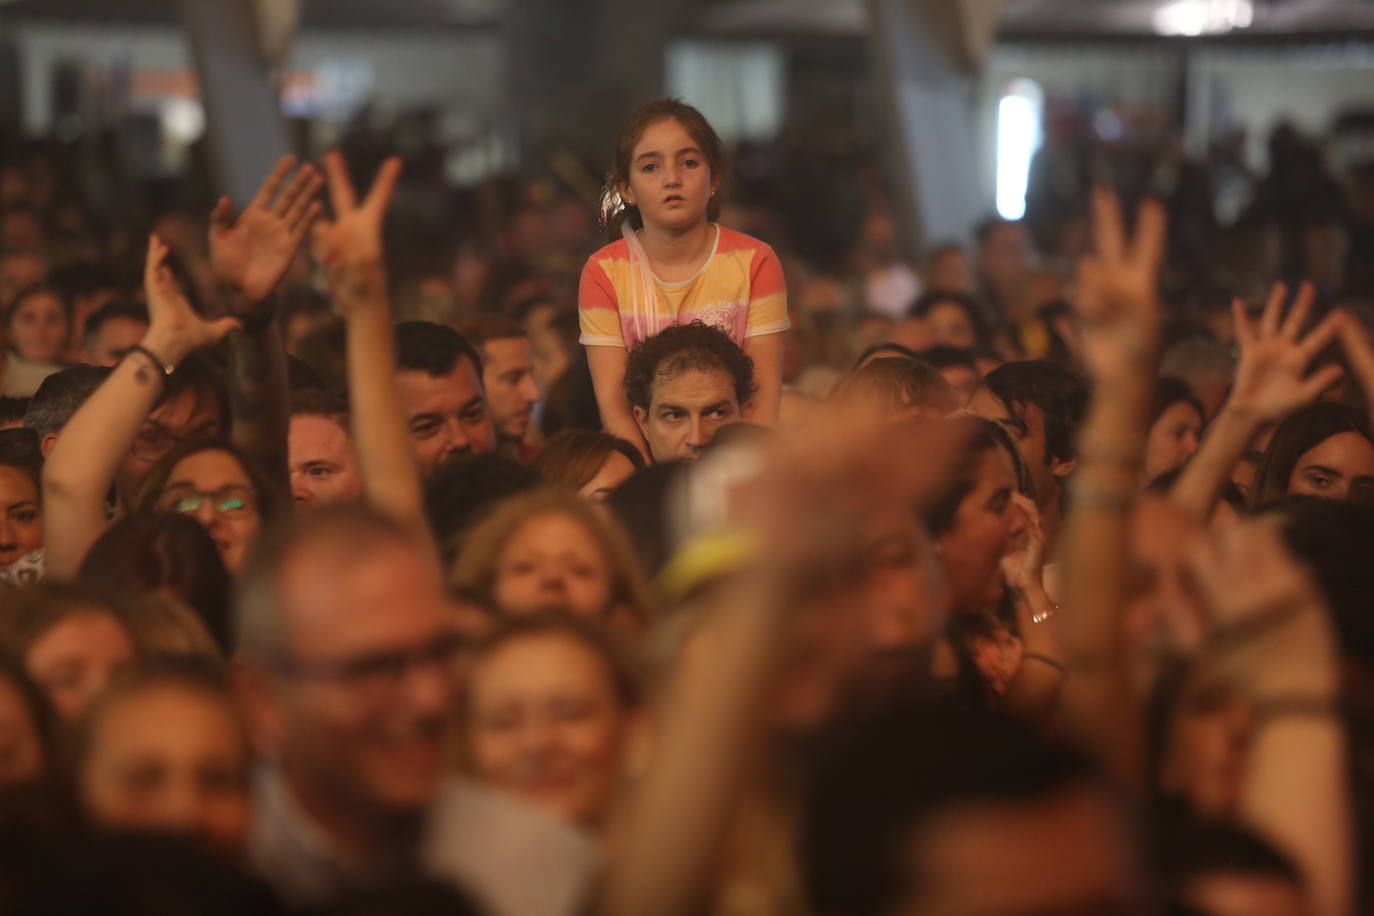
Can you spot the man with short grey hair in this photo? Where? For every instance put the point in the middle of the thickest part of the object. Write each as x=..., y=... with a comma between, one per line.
x=347, y=651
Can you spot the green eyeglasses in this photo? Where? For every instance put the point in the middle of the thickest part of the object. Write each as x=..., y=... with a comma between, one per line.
x=232, y=501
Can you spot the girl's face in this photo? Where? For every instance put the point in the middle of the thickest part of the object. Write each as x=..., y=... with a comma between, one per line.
x=670, y=179
x=213, y=487
x=169, y=759
x=21, y=750
x=75, y=659
x=1338, y=467
x=38, y=328
x=1173, y=439
x=546, y=723
x=985, y=521
x=21, y=516
x=951, y=325
x=552, y=563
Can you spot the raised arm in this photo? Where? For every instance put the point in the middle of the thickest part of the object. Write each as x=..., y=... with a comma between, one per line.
x=766, y=352
x=711, y=717
x=350, y=250
x=249, y=256
x=1271, y=382
x=607, y=365
x=1117, y=304
x=83, y=463
x=1274, y=639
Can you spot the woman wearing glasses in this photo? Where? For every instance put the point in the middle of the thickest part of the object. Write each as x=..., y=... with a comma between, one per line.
x=213, y=482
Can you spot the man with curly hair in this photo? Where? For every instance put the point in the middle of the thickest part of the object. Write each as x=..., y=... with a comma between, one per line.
x=684, y=384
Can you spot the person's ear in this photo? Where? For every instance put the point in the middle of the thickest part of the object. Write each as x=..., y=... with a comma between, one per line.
x=47, y=445
x=1063, y=468
x=623, y=189
x=746, y=412
x=641, y=420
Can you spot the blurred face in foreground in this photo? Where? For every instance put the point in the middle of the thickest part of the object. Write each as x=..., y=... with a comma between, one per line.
x=169, y=758
x=358, y=705
x=551, y=562
x=546, y=722
x=76, y=658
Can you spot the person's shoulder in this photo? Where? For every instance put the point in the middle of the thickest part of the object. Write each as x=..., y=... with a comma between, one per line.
x=733, y=240
x=615, y=251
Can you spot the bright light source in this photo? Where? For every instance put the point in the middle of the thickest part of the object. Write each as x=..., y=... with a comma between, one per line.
x=183, y=119
x=1201, y=17
x=1018, y=137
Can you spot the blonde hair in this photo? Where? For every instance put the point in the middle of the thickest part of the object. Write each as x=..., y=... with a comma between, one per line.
x=474, y=572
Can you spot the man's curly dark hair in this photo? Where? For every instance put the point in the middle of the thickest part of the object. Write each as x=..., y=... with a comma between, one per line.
x=686, y=346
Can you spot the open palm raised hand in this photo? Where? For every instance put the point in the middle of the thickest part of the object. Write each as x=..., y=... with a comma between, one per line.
x=251, y=253
x=175, y=329
x=1271, y=377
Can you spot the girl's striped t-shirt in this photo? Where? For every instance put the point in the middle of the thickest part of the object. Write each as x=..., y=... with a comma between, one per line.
x=739, y=290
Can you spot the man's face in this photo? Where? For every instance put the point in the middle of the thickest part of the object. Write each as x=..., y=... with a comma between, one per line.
x=1026, y=424
x=323, y=467
x=185, y=417
x=363, y=702
x=685, y=410
x=508, y=377
x=113, y=340
x=446, y=416
x=1067, y=853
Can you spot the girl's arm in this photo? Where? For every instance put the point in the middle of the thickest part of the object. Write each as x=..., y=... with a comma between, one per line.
x=766, y=352
x=350, y=249
x=1271, y=382
x=607, y=365
x=87, y=455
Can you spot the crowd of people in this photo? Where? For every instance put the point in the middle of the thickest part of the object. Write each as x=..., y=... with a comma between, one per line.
x=351, y=567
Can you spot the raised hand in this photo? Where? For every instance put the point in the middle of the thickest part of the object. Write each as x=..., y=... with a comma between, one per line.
x=1271, y=377
x=252, y=253
x=175, y=329
x=350, y=246
x=1269, y=620
x=1024, y=565
x=1117, y=297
